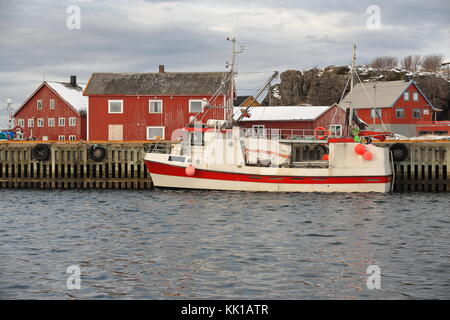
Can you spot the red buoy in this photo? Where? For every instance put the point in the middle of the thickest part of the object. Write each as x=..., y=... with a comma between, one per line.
x=368, y=155
x=360, y=149
x=325, y=157
x=190, y=170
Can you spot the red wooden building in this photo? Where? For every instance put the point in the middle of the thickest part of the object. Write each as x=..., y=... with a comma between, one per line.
x=294, y=120
x=55, y=111
x=146, y=106
x=401, y=105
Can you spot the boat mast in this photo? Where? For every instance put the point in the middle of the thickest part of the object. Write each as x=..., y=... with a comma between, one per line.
x=234, y=52
x=350, y=114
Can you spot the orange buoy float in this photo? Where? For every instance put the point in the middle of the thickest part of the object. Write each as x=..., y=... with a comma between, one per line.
x=190, y=170
x=368, y=155
x=323, y=136
x=360, y=149
x=325, y=157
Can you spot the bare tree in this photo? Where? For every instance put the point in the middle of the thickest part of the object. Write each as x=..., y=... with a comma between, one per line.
x=407, y=63
x=384, y=62
x=416, y=63
x=447, y=70
x=433, y=62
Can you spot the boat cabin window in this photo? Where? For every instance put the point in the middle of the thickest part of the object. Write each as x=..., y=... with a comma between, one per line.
x=197, y=138
x=176, y=158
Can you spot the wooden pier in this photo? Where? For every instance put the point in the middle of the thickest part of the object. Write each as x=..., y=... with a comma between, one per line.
x=426, y=168
x=71, y=165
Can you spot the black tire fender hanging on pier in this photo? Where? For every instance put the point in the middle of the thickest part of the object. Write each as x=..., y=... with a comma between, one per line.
x=399, y=151
x=41, y=152
x=97, y=152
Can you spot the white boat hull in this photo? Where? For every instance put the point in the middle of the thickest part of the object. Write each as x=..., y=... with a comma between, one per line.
x=345, y=171
x=161, y=180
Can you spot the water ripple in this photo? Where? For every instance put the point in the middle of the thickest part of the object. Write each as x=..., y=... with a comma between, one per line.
x=222, y=245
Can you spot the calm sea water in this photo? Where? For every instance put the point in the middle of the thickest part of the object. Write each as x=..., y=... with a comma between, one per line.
x=223, y=245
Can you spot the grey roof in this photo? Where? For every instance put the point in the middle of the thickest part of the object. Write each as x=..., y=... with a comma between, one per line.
x=382, y=94
x=155, y=83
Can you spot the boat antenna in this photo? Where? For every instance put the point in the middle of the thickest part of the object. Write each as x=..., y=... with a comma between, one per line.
x=352, y=71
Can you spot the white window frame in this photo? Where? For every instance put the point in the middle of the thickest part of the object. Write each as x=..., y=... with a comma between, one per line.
x=51, y=122
x=258, y=130
x=195, y=100
x=52, y=105
x=63, y=122
x=396, y=114
x=415, y=96
x=21, y=122
x=150, y=106
x=109, y=106
x=406, y=96
x=72, y=122
x=44, y=138
x=334, y=128
x=373, y=114
x=154, y=127
x=72, y=138
x=40, y=122
x=63, y=138
x=31, y=123
x=420, y=113
x=39, y=104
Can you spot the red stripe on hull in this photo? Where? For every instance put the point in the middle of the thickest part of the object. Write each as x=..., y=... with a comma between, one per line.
x=171, y=170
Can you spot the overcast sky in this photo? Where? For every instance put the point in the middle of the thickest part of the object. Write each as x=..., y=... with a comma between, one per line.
x=190, y=35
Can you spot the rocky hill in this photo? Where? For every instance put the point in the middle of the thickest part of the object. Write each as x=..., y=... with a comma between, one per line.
x=325, y=86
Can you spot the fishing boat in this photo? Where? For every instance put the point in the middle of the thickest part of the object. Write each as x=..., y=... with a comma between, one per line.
x=222, y=155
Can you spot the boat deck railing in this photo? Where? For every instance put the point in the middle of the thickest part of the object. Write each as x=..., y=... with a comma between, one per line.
x=293, y=135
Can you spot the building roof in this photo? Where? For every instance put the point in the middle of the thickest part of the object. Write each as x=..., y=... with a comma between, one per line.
x=282, y=113
x=240, y=99
x=379, y=94
x=157, y=83
x=72, y=95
